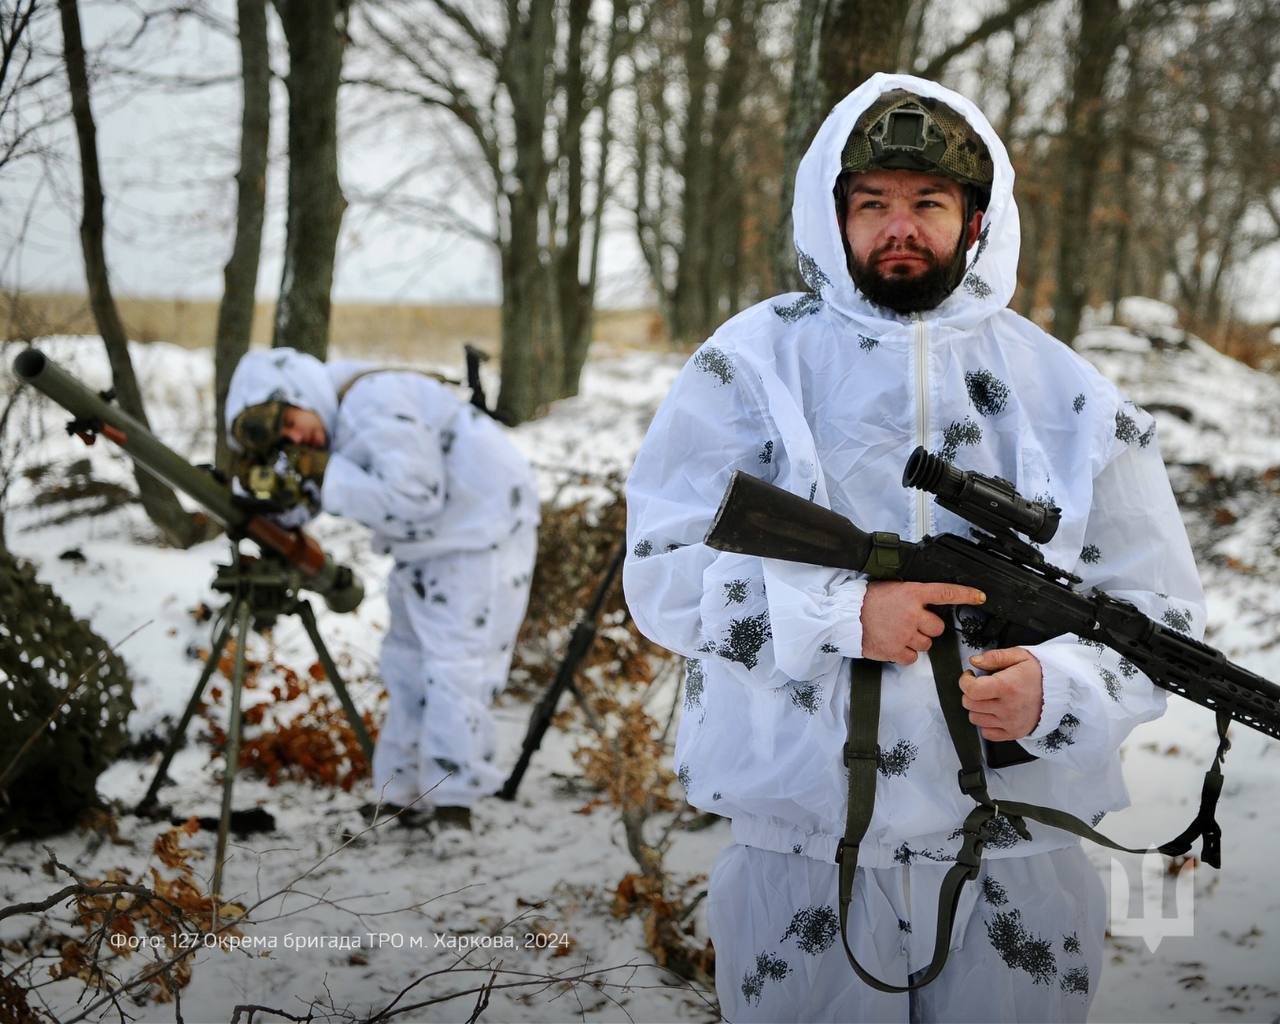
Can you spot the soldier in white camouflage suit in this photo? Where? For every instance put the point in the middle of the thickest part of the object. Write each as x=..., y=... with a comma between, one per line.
x=908, y=239
x=456, y=504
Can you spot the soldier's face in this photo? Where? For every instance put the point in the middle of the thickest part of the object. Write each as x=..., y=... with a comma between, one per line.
x=904, y=229
x=302, y=426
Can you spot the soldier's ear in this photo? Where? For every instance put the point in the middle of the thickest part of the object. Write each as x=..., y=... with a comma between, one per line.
x=974, y=229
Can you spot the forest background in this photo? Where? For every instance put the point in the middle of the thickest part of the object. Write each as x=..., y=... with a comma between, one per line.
x=553, y=158
x=540, y=176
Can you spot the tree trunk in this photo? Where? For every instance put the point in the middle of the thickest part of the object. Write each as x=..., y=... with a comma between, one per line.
x=1081, y=158
x=574, y=299
x=235, y=314
x=689, y=314
x=855, y=39
x=531, y=341
x=801, y=108
x=316, y=31
x=179, y=528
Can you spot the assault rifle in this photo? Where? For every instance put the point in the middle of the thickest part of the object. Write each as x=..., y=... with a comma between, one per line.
x=1028, y=599
x=580, y=641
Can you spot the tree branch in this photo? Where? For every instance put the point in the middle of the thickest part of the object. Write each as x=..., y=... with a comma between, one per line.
x=998, y=22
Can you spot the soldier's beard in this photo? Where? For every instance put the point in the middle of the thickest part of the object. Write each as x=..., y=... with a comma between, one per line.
x=912, y=293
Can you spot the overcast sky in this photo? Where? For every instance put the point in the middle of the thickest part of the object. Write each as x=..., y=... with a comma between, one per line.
x=168, y=160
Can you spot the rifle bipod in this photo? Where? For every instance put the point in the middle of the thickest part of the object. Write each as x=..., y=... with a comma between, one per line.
x=584, y=633
x=260, y=590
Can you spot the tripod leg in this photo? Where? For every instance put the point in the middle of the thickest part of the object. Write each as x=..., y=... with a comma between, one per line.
x=331, y=670
x=232, y=752
x=180, y=730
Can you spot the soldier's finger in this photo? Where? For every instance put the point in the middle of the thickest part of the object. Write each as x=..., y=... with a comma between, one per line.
x=1004, y=657
x=979, y=688
x=931, y=625
x=920, y=643
x=978, y=704
x=951, y=593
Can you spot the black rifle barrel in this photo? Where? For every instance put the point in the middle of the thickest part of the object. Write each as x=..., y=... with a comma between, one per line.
x=94, y=414
x=584, y=634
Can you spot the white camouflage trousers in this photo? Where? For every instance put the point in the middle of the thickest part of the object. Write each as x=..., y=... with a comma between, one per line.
x=1027, y=943
x=448, y=649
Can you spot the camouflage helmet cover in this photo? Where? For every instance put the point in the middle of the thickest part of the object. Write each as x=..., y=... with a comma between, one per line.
x=257, y=427
x=904, y=131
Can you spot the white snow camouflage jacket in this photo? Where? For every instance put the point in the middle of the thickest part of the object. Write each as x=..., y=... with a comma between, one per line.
x=424, y=470
x=826, y=395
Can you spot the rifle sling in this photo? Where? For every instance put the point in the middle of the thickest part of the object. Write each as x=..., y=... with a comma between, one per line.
x=370, y=371
x=861, y=759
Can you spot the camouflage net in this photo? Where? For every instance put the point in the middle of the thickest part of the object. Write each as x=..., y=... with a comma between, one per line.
x=53, y=669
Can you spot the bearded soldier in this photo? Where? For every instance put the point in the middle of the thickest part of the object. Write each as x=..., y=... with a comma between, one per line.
x=907, y=235
x=452, y=500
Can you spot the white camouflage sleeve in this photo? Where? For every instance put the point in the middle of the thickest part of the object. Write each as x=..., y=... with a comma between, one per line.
x=390, y=474
x=1135, y=549
x=767, y=622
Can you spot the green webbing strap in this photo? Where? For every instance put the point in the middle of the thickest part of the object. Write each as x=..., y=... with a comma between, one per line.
x=885, y=558
x=342, y=391
x=860, y=758
x=1203, y=825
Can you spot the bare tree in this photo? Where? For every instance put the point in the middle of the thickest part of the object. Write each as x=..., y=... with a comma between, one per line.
x=235, y=313
x=316, y=32
x=505, y=74
x=162, y=506
x=703, y=96
x=1080, y=157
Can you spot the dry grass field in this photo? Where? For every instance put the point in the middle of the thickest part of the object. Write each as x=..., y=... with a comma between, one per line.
x=429, y=333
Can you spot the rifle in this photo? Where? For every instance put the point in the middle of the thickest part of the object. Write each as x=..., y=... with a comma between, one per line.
x=584, y=633
x=1030, y=601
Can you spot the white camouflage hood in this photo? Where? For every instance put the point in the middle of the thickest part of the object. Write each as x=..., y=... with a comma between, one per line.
x=281, y=374
x=991, y=277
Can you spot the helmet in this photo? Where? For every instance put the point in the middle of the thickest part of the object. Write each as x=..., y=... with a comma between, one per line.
x=904, y=131
x=272, y=471
x=257, y=427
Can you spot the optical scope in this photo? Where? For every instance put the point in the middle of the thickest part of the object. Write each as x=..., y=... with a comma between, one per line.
x=987, y=501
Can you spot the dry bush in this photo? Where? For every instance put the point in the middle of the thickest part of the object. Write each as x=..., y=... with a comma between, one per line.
x=315, y=743
x=626, y=759
x=116, y=916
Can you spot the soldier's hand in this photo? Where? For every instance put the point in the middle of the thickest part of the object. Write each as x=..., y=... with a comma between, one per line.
x=1006, y=704
x=897, y=624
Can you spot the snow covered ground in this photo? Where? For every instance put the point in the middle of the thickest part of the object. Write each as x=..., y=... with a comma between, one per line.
x=540, y=868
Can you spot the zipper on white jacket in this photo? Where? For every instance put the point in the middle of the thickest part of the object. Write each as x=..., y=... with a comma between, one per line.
x=922, y=416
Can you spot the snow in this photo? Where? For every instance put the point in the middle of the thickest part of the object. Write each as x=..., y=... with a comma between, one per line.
x=539, y=863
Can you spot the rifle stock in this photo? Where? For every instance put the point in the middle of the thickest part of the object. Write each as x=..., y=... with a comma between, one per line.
x=757, y=518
